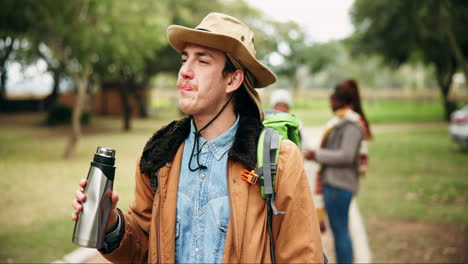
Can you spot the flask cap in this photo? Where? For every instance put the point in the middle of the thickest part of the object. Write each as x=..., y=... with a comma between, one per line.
x=105, y=152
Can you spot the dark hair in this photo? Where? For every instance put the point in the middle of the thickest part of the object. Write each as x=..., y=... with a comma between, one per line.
x=243, y=103
x=348, y=92
x=228, y=66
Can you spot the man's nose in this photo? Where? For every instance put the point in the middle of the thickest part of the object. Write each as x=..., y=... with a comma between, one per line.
x=186, y=70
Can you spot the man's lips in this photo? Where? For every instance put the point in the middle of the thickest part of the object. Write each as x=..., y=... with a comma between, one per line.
x=185, y=87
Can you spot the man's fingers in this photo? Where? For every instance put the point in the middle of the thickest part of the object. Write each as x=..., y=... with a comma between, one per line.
x=74, y=216
x=80, y=196
x=83, y=183
x=77, y=205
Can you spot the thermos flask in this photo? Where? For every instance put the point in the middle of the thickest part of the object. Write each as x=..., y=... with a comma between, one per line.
x=91, y=226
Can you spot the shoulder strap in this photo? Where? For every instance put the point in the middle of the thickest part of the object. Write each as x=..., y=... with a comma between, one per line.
x=267, y=157
x=268, y=145
x=270, y=150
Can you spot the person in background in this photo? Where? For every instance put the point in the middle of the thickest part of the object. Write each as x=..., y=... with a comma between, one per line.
x=281, y=100
x=201, y=211
x=341, y=162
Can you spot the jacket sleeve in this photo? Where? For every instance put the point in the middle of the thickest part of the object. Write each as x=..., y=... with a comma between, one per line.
x=297, y=233
x=133, y=246
x=346, y=153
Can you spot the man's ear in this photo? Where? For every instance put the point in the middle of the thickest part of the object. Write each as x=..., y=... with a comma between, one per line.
x=234, y=80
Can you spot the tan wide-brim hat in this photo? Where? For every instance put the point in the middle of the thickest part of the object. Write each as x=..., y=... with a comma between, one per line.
x=228, y=34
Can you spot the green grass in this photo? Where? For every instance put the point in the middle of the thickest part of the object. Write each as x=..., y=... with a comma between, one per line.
x=317, y=112
x=39, y=185
x=416, y=175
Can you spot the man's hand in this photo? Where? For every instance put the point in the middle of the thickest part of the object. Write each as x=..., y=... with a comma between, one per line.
x=80, y=197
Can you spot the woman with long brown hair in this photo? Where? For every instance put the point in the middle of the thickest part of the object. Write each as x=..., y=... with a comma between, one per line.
x=343, y=157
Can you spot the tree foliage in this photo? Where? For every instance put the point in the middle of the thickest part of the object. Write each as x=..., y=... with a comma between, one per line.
x=82, y=33
x=124, y=42
x=432, y=31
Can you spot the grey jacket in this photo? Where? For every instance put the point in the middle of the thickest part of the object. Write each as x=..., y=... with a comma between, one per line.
x=340, y=156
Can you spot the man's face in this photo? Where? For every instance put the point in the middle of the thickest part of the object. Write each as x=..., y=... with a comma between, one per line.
x=201, y=84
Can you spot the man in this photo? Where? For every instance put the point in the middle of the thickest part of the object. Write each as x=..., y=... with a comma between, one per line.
x=202, y=211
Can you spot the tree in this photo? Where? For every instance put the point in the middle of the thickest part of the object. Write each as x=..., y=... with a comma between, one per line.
x=29, y=53
x=12, y=26
x=116, y=41
x=134, y=41
x=79, y=32
x=295, y=54
x=6, y=48
x=182, y=12
x=432, y=31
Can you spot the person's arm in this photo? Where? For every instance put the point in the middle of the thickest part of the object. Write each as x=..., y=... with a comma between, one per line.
x=297, y=233
x=348, y=150
x=133, y=244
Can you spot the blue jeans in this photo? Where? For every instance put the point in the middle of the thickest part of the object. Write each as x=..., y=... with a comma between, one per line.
x=337, y=203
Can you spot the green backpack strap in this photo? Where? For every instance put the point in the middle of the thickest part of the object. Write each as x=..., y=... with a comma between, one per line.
x=267, y=159
x=277, y=127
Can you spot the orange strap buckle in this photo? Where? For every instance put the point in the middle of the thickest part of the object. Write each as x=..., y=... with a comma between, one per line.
x=249, y=176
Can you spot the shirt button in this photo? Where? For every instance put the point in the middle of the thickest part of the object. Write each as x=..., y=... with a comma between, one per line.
x=196, y=249
x=200, y=212
x=205, y=146
x=202, y=176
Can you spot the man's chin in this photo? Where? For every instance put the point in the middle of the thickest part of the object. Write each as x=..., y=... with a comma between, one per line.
x=185, y=109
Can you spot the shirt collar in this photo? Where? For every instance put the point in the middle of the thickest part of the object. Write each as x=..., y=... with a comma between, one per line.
x=218, y=146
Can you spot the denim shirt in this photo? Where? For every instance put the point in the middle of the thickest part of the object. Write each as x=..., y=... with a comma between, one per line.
x=202, y=200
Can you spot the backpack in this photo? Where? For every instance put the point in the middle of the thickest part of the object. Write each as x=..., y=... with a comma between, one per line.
x=278, y=126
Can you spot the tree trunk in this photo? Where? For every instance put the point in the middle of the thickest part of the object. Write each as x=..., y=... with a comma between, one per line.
x=457, y=53
x=444, y=79
x=3, y=71
x=452, y=40
x=3, y=77
x=3, y=80
x=51, y=99
x=81, y=82
x=127, y=111
x=140, y=100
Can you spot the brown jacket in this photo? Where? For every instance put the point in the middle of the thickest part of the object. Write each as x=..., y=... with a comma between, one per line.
x=149, y=225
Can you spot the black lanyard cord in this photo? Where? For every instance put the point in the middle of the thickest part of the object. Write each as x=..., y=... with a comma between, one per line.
x=197, y=134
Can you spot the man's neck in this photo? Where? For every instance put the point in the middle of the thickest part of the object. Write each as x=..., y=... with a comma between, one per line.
x=220, y=125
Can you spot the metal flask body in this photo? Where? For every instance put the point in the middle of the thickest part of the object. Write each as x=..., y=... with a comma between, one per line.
x=91, y=225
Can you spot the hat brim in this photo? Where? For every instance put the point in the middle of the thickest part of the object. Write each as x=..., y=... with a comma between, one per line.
x=179, y=36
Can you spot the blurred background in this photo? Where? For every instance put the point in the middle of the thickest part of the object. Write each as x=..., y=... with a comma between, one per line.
x=80, y=74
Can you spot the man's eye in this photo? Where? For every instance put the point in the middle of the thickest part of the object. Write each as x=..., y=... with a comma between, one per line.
x=183, y=60
x=203, y=61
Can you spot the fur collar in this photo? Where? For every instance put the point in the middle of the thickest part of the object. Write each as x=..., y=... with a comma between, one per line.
x=163, y=145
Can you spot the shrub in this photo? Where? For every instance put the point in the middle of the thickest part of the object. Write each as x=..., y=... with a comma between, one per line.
x=62, y=114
